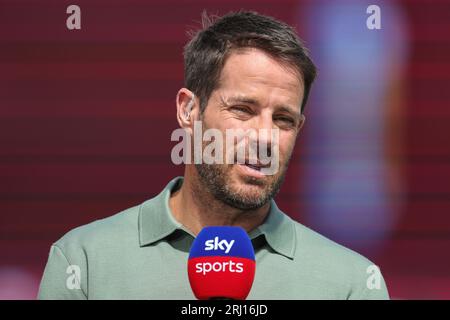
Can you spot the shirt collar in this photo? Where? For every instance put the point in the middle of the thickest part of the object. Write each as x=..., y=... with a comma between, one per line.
x=157, y=222
x=155, y=218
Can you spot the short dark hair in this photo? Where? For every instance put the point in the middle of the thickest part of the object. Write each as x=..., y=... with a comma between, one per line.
x=205, y=54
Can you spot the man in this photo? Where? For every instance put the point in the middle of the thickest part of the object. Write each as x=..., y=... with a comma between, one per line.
x=242, y=71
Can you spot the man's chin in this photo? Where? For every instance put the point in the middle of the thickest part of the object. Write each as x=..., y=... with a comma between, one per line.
x=246, y=200
x=249, y=191
x=235, y=187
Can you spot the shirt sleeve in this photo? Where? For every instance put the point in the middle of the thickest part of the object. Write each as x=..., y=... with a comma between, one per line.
x=62, y=280
x=369, y=284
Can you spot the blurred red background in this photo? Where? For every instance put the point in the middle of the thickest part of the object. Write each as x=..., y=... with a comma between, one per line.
x=86, y=118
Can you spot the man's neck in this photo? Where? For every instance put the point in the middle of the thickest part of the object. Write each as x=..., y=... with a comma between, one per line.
x=196, y=208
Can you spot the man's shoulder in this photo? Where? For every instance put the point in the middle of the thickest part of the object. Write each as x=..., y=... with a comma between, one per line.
x=312, y=243
x=103, y=231
x=118, y=227
x=335, y=266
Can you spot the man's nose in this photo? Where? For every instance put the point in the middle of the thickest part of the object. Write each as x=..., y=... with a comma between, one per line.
x=264, y=127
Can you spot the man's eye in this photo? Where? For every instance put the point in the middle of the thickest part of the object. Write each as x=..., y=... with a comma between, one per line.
x=286, y=120
x=240, y=109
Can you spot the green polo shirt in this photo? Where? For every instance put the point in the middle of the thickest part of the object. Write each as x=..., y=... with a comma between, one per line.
x=142, y=253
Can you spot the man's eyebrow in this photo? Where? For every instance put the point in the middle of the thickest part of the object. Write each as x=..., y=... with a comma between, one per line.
x=239, y=99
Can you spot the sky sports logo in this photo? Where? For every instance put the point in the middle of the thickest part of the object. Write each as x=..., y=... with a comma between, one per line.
x=221, y=263
x=223, y=266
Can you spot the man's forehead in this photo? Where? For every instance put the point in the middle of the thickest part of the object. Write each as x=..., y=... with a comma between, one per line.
x=256, y=61
x=259, y=70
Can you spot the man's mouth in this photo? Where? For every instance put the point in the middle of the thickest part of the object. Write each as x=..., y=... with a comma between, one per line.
x=254, y=172
x=254, y=165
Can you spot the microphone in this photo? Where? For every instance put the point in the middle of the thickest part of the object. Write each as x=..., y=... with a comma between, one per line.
x=221, y=263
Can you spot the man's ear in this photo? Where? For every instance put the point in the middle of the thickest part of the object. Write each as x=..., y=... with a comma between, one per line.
x=187, y=109
x=301, y=122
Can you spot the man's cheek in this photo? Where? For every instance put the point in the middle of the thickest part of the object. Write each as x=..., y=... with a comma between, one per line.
x=285, y=154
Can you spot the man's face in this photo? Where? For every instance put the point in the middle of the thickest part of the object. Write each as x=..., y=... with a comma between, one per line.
x=255, y=92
